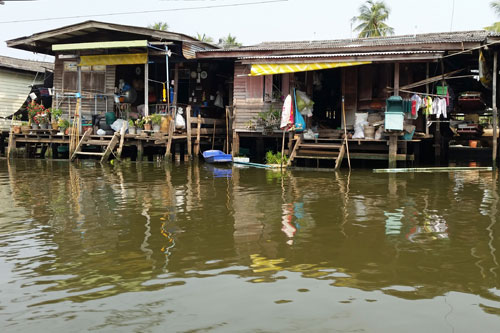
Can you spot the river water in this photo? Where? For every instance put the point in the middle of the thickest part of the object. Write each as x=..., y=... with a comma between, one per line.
x=191, y=248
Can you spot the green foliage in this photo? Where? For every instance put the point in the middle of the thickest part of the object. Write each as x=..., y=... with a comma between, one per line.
x=228, y=42
x=63, y=123
x=156, y=119
x=131, y=123
x=272, y=158
x=495, y=27
x=269, y=119
x=372, y=15
x=57, y=113
x=159, y=26
x=140, y=122
x=204, y=38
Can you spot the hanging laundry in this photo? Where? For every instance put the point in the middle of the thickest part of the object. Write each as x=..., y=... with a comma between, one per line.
x=416, y=105
x=443, y=106
x=428, y=106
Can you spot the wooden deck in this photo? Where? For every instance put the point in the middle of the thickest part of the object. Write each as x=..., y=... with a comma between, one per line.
x=199, y=131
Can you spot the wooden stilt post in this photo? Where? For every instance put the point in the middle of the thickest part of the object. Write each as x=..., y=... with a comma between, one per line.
x=495, y=110
x=236, y=143
x=426, y=91
x=140, y=150
x=393, y=150
x=170, y=138
x=188, y=130
x=197, y=142
x=146, y=89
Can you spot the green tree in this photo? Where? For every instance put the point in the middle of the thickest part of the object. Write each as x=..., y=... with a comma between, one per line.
x=495, y=5
x=159, y=26
x=372, y=15
x=204, y=38
x=228, y=42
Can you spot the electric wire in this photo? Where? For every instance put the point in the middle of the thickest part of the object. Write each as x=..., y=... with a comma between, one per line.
x=146, y=11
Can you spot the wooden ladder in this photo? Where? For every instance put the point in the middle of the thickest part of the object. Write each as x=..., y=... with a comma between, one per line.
x=319, y=149
x=109, y=143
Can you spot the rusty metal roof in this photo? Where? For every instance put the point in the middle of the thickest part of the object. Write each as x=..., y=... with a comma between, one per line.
x=25, y=65
x=360, y=43
x=327, y=55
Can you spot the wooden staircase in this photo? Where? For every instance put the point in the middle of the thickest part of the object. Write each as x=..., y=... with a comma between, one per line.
x=108, y=142
x=318, y=149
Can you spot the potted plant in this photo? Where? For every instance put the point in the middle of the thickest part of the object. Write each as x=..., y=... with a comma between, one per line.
x=55, y=116
x=156, y=121
x=25, y=127
x=147, y=123
x=34, y=109
x=131, y=127
x=63, y=125
x=42, y=120
x=139, y=125
x=16, y=126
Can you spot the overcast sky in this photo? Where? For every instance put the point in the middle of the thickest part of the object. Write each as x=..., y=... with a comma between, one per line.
x=251, y=24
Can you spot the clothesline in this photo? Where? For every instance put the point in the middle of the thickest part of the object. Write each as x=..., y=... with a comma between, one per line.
x=421, y=93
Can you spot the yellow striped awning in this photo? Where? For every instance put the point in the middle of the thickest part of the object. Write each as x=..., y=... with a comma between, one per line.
x=269, y=69
x=114, y=59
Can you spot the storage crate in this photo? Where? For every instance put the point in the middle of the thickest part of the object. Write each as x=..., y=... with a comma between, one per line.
x=394, y=121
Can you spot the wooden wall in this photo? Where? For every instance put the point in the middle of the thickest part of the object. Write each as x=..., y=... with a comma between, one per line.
x=89, y=103
x=248, y=96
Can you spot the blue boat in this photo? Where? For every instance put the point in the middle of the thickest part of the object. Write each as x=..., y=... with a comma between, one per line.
x=217, y=156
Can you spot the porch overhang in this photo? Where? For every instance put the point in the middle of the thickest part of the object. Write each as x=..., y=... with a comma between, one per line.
x=100, y=45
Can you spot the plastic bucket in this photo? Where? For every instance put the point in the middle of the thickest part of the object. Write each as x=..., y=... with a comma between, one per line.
x=369, y=132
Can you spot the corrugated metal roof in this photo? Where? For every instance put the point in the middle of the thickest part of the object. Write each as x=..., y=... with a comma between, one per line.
x=327, y=55
x=25, y=65
x=429, y=38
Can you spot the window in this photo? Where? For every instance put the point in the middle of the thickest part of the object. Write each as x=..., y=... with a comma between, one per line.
x=93, y=78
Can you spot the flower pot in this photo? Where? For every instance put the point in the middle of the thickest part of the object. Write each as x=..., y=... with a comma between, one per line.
x=16, y=129
x=132, y=130
x=156, y=128
x=138, y=130
x=44, y=126
x=147, y=127
x=55, y=126
x=473, y=143
x=34, y=126
x=66, y=131
x=25, y=129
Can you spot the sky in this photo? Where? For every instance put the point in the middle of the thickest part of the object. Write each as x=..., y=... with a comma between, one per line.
x=251, y=21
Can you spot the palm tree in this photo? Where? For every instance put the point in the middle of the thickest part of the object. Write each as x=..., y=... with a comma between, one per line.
x=495, y=5
x=372, y=15
x=204, y=38
x=228, y=42
x=159, y=26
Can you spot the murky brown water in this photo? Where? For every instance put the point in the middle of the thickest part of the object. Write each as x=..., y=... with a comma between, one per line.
x=188, y=248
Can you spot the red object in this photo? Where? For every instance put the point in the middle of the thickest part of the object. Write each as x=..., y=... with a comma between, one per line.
x=413, y=108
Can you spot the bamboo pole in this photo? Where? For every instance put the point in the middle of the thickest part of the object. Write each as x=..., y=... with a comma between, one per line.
x=345, y=133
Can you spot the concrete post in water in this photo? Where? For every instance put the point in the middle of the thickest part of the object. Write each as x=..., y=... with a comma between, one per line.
x=495, y=111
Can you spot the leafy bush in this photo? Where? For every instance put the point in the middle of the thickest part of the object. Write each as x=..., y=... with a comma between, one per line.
x=272, y=158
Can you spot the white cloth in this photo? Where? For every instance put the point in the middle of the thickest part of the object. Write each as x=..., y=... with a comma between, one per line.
x=286, y=113
x=443, y=107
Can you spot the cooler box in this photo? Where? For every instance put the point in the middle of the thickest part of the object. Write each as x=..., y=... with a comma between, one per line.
x=394, y=115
